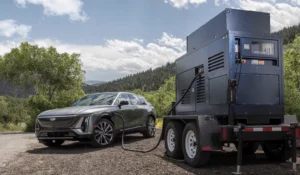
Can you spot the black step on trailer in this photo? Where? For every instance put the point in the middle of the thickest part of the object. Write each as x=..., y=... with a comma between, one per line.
x=229, y=90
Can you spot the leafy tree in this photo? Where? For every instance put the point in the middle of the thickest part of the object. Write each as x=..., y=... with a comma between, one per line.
x=46, y=70
x=55, y=77
x=292, y=77
x=162, y=98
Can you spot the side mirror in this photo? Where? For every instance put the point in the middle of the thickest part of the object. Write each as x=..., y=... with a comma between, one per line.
x=123, y=103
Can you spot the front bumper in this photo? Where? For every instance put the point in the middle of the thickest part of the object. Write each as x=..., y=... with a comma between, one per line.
x=62, y=134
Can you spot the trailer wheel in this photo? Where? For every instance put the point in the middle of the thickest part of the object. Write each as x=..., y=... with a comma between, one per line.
x=192, y=151
x=249, y=148
x=172, y=137
x=277, y=151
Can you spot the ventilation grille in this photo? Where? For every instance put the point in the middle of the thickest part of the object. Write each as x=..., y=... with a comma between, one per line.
x=216, y=62
x=200, y=91
x=187, y=98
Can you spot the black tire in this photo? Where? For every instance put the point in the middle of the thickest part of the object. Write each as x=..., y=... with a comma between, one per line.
x=200, y=157
x=103, y=133
x=53, y=143
x=177, y=129
x=150, y=130
x=249, y=148
x=277, y=151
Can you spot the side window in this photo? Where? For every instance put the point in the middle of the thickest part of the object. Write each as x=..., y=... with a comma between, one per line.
x=123, y=97
x=133, y=99
x=142, y=100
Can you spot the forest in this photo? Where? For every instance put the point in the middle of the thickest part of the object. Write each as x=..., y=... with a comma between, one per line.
x=55, y=80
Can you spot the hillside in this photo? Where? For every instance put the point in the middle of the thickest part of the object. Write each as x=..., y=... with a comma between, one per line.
x=289, y=33
x=151, y=80
x=148, y=80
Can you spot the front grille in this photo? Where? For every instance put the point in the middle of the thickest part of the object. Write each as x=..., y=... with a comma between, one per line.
x=57, y=121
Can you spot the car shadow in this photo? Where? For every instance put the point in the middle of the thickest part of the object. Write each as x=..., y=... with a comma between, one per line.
x=82, y=147
x=225, y=163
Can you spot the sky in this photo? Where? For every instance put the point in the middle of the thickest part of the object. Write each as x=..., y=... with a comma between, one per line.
x=120, y=37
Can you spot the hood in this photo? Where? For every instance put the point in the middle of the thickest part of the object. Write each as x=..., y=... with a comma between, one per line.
x=75, y=110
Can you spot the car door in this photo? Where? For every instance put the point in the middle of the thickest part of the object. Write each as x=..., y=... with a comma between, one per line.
x=125, y=110
x=139, y=111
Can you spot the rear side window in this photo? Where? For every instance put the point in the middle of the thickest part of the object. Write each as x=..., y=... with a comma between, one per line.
x=143, y=101
x=133, y=99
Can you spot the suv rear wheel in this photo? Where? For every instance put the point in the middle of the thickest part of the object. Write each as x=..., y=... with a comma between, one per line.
x=103, y=134
x=150, y=128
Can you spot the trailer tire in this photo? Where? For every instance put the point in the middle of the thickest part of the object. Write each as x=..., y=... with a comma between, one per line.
x=249, y=148
x=192, y=151
x=276, y=151
x=172, y=137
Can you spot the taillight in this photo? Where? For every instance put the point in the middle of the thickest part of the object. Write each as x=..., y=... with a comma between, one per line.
x=298, y=133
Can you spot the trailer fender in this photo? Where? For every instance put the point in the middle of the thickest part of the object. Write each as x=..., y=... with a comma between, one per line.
x=289, y=119
x=209, y=132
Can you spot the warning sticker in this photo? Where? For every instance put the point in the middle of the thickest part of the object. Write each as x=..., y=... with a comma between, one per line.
x=258, y=62
x=255, y=62
x=261, y=62
x=236, y=48
x=246, y=46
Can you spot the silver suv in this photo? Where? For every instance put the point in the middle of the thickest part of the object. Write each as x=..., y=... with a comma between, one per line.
x=95, y=118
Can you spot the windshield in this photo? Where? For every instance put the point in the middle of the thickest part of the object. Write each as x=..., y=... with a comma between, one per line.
x=96, y=99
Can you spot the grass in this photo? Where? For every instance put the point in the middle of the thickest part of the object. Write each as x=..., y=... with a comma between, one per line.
x=159, y=122
x=11, y=127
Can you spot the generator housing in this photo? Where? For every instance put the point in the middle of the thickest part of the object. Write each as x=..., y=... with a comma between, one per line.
x=241, y=68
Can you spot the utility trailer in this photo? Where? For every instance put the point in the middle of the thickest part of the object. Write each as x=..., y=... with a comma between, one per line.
x=234, y=67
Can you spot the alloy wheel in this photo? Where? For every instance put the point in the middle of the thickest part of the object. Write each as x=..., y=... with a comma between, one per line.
x=104, y=133
x=151, y=126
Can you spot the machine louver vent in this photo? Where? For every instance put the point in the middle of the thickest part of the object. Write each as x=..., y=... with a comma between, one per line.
x=216, y=62
x=200, y=91
x=187, y=97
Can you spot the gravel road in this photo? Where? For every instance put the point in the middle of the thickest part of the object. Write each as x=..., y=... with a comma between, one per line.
x=22, y=154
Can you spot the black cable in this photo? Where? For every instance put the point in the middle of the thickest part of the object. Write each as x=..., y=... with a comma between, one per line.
x=238, y=81
x=161, y=134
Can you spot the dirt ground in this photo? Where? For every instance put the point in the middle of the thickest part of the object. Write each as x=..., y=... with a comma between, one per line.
x=22, y=154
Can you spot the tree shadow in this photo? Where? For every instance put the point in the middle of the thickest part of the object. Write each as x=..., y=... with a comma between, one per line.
x=82, y=147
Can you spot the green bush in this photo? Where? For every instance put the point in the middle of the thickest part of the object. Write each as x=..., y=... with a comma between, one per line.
x=12, y=127
x=13, y=110
x=162, y=98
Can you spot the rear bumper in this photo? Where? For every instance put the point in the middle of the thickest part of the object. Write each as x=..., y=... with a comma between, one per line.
x=62, y=134
x=257, y=133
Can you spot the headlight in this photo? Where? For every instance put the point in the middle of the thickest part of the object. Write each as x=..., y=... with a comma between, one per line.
x=83, y=123
x=37, y=126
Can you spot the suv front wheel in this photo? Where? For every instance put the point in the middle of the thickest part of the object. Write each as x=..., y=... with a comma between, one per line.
x=103, y=134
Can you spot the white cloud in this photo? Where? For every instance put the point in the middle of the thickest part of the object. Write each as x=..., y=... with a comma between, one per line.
x=9, y=28
x=282, y=14
x=295, y=2
x=72, y=8
x=173, y=42
x=184, y=3
x=116, y=56
x=218, y=2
